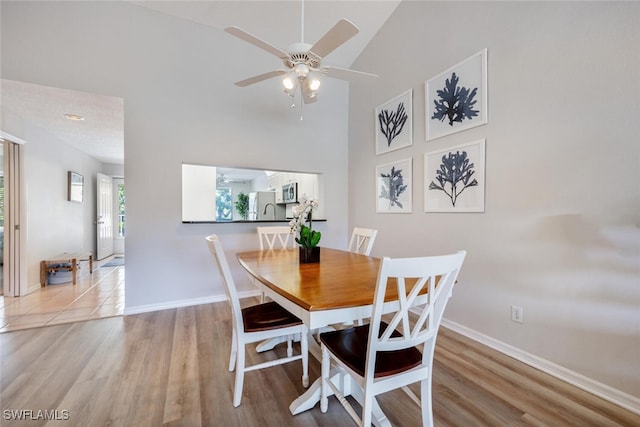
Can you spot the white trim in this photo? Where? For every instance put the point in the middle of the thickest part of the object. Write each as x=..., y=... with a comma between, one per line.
x=185, y=303
x=604, y=391
x=6, y=136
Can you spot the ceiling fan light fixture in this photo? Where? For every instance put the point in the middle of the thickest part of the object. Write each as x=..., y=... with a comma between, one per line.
x=313, y=81
x=290, y=81
x=314, y=84
x=301, y=70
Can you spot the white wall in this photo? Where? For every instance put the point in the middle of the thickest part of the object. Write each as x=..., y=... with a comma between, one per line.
x=560, y=235
x=198, y=192
x=53, y=224
x=180, y=107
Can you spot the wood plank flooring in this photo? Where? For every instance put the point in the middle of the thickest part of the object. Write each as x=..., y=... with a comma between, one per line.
x=94, y=296
x=170, y=368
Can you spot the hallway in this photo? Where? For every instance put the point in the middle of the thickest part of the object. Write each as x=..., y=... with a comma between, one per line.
x=96, y=295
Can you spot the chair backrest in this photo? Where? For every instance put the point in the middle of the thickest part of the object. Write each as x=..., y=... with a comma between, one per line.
x=412, y=276
x=362, y=240
x=215, y=247
x=271, y=235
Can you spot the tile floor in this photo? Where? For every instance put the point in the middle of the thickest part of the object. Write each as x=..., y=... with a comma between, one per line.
x=96, y=295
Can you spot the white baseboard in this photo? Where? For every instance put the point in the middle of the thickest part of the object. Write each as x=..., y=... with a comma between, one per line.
x=604, y=391
x=185, y=303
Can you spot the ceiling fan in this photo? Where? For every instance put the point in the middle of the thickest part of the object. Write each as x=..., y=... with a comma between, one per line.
x=223, y=179
x=302, y=61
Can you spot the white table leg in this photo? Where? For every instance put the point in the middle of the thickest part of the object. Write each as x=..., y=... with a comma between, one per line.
x=314, y=347
x=312, y=396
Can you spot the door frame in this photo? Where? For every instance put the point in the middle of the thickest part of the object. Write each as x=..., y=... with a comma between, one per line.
x=14, y=244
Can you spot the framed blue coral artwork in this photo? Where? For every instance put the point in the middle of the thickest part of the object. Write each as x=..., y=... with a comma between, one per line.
x=394, y=187
x=456, y=99
x=454, y=178
x=394, y=127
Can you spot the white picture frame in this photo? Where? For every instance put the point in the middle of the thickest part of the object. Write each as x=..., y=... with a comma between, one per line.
x=394, y=187
x=465, y=195
x=75, y=187
x=394, y=123
x=443, y=112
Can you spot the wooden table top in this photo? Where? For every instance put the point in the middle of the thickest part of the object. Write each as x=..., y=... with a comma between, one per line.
x=341, y=279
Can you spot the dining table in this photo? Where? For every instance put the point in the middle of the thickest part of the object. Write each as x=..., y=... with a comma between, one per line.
x=338, y=289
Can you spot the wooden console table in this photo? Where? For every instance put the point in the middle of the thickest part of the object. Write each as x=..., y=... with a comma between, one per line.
x=70, y=262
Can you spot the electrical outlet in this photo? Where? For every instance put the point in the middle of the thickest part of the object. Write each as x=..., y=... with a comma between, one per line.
x=516, y=314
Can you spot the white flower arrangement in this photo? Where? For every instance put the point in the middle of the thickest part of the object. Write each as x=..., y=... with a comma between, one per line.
x=303, y=212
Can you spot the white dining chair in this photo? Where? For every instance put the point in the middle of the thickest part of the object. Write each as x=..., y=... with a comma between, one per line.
x=275, y=237
x=362, y=240
x=378, y=357
x=257, y=323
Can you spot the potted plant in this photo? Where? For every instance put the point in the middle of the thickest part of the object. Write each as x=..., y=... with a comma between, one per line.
x=242, y=205
x=308, y=238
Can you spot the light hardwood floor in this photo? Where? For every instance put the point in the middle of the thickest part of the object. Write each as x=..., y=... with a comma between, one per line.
x=170, y=368
x=94, y=296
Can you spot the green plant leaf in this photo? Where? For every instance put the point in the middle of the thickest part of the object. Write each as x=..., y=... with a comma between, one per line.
x=315, y=238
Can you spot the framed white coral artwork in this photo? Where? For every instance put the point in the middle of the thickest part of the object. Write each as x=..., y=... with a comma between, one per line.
x=394, y=123
x=393, y=187
x=456, y=99
x=454, y=178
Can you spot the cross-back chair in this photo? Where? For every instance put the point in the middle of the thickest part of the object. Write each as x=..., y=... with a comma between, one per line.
x=362, y=240
x=276, y=237
x=271, y=236
x=385, y=355
x=257, y=323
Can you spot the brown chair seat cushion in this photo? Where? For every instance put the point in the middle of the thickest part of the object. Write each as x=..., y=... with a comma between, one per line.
x=270, y=315
x=350, y=346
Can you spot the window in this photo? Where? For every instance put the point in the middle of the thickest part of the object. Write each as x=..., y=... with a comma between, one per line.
x=120, y=218
x=224, y=206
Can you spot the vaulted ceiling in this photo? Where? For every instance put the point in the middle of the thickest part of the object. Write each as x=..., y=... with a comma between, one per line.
x=277, y=22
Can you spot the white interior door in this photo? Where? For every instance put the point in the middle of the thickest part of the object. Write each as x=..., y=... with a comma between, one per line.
x=104, y=212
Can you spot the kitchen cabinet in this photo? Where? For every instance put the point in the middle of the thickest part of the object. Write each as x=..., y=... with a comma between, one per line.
x=308, y=184
x=274, y=182
x=278, y=179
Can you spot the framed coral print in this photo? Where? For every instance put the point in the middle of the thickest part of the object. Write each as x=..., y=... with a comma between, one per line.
x=454, y=179
x=393, y=187
x=394, y=123
x=456, y=99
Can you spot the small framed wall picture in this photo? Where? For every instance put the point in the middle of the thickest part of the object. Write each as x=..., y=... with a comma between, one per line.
x=393, y=187
x=394, y=123
x=75, y=187
x=456, y=99
x=454, y=178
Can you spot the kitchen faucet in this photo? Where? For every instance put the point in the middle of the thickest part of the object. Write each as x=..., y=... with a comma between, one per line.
x=274, y=209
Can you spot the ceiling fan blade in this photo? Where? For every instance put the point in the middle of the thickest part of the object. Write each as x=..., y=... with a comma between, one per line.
x=259, y=78
x=335, y=37
x=345, y=73
x=250, y=38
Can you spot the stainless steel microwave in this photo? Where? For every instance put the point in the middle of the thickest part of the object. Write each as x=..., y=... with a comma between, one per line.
x=290, y=193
